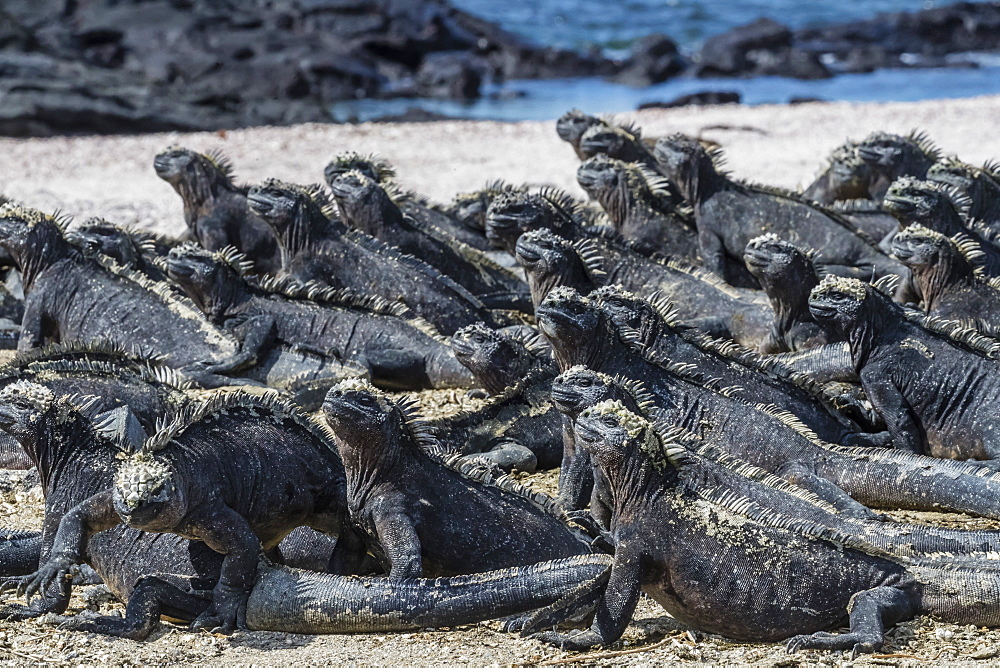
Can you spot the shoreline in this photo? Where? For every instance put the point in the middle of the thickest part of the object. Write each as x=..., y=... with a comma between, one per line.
x=781, y=145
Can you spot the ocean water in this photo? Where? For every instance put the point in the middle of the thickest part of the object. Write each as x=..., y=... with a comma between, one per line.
x=612, y=26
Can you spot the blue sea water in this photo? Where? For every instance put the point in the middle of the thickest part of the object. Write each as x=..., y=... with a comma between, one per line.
x=612, y=25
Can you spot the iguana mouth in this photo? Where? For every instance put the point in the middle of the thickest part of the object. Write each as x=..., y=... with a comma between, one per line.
x=903, y=253
x=822, y=311
x=341, y=189
x=757, y=258
x=461, y=348
x=259, y=203
x=527, y=253
x=178, y=267
x=899, y=205
x=564, y=399
x=592, y=146
x=869, y=154
x=504, y=220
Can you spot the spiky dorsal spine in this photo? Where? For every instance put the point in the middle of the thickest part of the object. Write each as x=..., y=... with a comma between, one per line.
x=221, y=162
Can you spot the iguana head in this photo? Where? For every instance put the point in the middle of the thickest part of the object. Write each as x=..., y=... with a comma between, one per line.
x=205, y=277
x=573, y=124
x=99, y=237
x=550, y=261
x=953, y=172
x=625, y=308
x=918, y=247
x=776, y=262
x=493, y=357
x=24, y=407
x=188, y=170
x=512, y=213
x=600, y=175
x=611, y=432
x=682, y=159
x=883, y=149
x=470, y=208
x=358, y=196
x=849, y=174
x=911, y=201
x=578, y=330
x=23, y=230
x=358, y=413
x=579, y=388
x=370, y=165
x=612, y=140
x=281, y=205
x=145, y=495
x=839, y=301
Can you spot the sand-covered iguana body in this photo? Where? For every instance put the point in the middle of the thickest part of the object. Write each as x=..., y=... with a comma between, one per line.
x=935, y=384
x=317, y=246
x=422, y=517
x=368, y=206
x=215, y=209
x=411, y=204
x=641, y=206
x=768, y=436
x=787, y=275
x=396, y=348
x=724, y=563
x=729, y=213
x=949, y=285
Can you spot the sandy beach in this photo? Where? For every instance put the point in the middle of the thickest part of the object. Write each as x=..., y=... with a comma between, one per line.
x=112, y=177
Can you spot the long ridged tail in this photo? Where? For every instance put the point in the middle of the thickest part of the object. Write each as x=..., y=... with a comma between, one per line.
x=294, y=601
x=966, y=593
x=19, y=551
x=893, y=479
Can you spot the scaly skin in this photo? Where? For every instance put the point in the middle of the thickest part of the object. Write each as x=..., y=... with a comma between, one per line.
x=947, y=281
x=980, y=185
x=496, y=358
x=720, y=562
x=730, y=213
x=845, y=177
x=787, y=275
x=412, y=205
x=572, y=125
x=396, y=349
x=215, y=209
x=936, y=393
x=367, y=206
x=891, y=156
x=421, y=517
x=641, y=206
x=132, y=249
x=315, y=247
x=848, y=477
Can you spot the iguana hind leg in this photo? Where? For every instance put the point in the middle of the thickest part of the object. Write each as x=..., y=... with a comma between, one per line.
x=871, y=611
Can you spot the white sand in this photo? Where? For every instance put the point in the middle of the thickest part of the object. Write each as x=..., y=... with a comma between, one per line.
x=780, y=145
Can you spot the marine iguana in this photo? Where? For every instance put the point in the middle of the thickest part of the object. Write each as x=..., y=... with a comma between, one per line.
x=514, y=212
x=621, y=141
x=580, y=389
x=572, y=125
x=760, y=574
x=915, y=202
x=729, y=213
x=891, y=156
x=950, y=286
x=641, y=205
x=581, y=333
x=934, y=383
x=133, y=249
x=424, y=518
x=701, y=300
x=237, y=472
x=317, y=246
x=844, y=177
x=411, y=204
x=980, y=185
x=869, y=217
x=787, y=275
x=395, y=347
x=164, y=573
x=215, y=209
x=498, y=359
x=368, y=206
x=72, y=297
x=470, y=208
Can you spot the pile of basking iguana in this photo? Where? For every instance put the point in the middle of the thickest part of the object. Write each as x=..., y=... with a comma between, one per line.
x=732, y=380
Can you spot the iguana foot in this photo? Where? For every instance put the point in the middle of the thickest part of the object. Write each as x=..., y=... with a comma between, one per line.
x=92, y=622
x=569, y=641
x=858, y=643
x=228, y=612
x=59, y=568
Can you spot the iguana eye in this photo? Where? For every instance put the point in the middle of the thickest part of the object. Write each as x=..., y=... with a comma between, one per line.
x=609, y=420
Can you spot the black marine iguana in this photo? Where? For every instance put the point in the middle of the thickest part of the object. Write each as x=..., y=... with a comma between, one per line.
x=396, y=348
x=582, y=333
x=164, y=573
x=215, y=209
x=411, y=204
x=787, y=275
x=424, y=518
x=498, y=359
x=133, y=249
x=572, y=125
x=949, y=285
x=915, y=202
x=891, y=156
x=934, y=384
x=729, y=213
x=317, y=246
x=641, y=206
x=368, y=206
x=980, y=185
x=845, y=176
x=723, y=563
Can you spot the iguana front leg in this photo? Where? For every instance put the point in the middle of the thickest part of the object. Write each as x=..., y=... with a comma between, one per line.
x=32, y=332
x=255, y=335
x=401, y=545
x=871, y=611
x=615, y=608
x=229, y=533
x=713, y=252
x=88, y=517
x=894, y=409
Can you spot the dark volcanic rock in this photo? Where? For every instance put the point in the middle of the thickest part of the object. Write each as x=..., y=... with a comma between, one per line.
x=700, y=98
x=152, y=65
x=763, y=47
x=654, y=58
